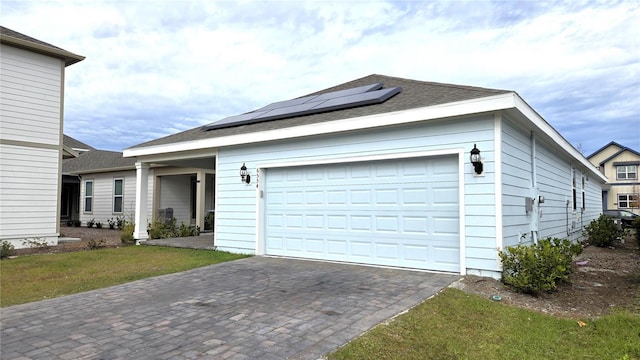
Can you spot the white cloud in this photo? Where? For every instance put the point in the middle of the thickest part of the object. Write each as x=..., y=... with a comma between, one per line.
x=156, y=67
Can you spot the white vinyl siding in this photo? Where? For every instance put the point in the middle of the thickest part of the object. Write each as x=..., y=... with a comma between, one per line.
x=237, y=203
x=30, y=129
x=30, y=98
x=29, y=192
x=103, y=196
x=175, y=193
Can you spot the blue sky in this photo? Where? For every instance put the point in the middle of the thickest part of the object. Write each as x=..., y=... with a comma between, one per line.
x=154, y=68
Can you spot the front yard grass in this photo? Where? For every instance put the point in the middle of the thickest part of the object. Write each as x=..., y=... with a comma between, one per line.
x=457, y=325
x=38, y=277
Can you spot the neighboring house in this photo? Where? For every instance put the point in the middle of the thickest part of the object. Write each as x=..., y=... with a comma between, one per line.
x=70, y=193
x=620, y=165
x=31, y=141
x=101, y=185
x=378, y=171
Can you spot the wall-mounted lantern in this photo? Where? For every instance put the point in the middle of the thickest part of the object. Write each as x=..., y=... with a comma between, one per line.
x=476, y=160
x=244, y=174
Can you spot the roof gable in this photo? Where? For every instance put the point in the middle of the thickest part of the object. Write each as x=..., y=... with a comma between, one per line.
x=621, y=149
x=414, y=94
x=16, y=39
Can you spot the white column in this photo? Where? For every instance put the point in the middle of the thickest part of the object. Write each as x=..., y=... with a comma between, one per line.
x=142, y=183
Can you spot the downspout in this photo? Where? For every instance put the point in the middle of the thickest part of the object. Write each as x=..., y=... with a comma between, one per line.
x=534, y=187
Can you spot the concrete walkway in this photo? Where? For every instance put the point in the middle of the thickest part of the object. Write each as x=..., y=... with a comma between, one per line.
x=204, y=241
x=254, y=308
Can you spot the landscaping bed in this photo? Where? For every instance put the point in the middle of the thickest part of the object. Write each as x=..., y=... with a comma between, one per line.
x=603, y=279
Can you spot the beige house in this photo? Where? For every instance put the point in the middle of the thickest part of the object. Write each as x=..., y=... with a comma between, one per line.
x=31, y=139
x=620, y=165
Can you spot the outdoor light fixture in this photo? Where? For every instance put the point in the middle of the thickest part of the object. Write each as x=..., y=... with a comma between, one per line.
x=244, y=174
x=475, y=159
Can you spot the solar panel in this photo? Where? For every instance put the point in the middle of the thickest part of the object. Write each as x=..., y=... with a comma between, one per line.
x=314, y=104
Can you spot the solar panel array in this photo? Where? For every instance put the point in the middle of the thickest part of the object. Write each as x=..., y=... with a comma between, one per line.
x=308, y=105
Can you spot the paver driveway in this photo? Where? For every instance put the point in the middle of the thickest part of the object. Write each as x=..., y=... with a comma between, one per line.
x=254, y=308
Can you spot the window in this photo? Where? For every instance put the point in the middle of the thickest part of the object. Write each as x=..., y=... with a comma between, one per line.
x=117, y=195
x=627, y=172
x=573, y=184
x=628, y=201
x=88, y=196
x=583, y=196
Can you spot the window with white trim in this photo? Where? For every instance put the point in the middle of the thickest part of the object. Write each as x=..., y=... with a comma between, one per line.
x=627, y=172
x=118, y=195
x=627, y=201
x=575, y=194
x=88, y=196
x=583, y=195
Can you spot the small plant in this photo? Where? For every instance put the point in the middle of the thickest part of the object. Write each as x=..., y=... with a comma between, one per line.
x=90, y=223
x=96, y=244
x=126, y=232
x=208, y=221
x=76, y=223
x=162, y=230
x=603, y=231
x=112, y=223
x=538, y=268
x=120, y=222
x=36, y=243
x=99, y=225
x=6, y=249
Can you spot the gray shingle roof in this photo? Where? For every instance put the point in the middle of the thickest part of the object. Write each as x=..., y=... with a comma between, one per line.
x=75, y=144
x=15, y=38
x=97, y=161
x=415, y=94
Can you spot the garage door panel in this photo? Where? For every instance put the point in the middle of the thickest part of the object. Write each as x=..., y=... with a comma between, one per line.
x=396, y=213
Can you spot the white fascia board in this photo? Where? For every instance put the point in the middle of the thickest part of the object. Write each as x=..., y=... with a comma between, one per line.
x=546, y=128
x=467, y=107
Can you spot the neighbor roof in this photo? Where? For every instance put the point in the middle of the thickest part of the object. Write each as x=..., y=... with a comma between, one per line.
x=97, y=161
x=76, y=144
x=415, y=94
x=16, y=39
x=621, y=149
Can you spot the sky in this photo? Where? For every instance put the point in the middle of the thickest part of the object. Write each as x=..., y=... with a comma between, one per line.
x=155, y=68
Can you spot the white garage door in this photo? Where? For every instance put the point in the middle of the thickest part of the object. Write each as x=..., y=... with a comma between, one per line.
x=396, y=213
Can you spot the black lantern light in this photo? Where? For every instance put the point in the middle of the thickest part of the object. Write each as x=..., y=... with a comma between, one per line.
x=475, y=159
x=244, y=174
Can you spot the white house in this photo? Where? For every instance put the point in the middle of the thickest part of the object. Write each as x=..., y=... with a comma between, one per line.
x=31, y=146
x=378, y=171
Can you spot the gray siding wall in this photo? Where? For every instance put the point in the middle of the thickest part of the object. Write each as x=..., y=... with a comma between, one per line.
x=236, y=204
x=103, y=194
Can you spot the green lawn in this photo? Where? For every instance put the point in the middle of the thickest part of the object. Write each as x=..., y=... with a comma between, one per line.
x=38, y=277
x=457, y=325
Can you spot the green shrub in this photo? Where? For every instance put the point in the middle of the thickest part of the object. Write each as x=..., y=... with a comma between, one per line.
x=6, y=249
x=603, y=231
x=126, y=232
x=160, y=229
x=636, y=226
x=538, y=268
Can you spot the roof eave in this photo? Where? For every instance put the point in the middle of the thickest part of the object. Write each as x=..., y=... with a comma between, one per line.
x=68, y=57
x=459, y=108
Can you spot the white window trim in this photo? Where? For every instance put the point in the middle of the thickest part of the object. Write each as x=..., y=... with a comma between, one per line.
x=114, y=196
x=628, y=200
x=626, y=172
x=84, y=203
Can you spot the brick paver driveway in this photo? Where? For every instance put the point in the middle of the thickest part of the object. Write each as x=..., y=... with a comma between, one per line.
x=254, y=308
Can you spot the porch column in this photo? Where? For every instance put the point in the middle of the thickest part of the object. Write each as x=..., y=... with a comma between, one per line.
x=142, y=183
x=200, y=198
